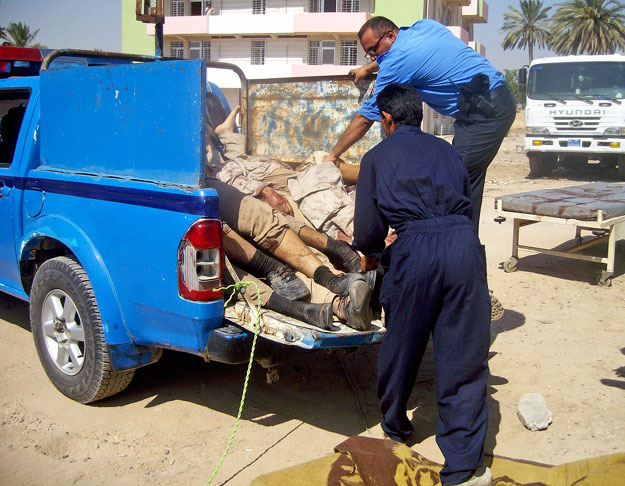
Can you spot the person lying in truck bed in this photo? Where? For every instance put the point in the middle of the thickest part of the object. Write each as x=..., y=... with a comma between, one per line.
x=269, y=229
x=318, y=190
x=249, y=262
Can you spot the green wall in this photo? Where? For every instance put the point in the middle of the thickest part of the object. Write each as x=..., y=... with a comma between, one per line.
x=402, y=12
x=134, y=37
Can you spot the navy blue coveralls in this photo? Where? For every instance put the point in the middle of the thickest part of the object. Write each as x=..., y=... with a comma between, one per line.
x=434, y=284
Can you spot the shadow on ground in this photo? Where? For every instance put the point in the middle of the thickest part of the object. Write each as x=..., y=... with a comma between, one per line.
x=567, y=268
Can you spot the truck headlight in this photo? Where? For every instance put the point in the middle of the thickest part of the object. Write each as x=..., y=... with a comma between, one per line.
x=614, y=131
x=536, y=131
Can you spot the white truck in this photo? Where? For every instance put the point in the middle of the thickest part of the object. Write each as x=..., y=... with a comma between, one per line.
x=575, y=112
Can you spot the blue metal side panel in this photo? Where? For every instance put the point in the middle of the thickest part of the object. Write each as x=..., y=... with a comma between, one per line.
x=134, y=230
x=142, y=121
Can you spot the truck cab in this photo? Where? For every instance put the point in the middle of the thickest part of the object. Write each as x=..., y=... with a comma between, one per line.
x=106, y=227
x=575, y=112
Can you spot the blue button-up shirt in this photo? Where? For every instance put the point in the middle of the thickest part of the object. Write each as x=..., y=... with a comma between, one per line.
x=430, y=58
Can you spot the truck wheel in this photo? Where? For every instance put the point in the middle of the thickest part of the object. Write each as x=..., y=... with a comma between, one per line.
x=541, y=164
x=68, y=333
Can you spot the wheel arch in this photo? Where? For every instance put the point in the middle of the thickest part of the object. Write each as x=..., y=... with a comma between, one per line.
x=51, y=236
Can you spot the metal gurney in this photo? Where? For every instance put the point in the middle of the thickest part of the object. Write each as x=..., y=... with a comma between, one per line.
x=598, y=207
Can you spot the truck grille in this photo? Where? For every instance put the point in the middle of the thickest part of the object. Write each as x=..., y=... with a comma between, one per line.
x=577, y=124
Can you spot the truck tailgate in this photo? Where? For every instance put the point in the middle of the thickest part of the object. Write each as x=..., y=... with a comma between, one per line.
x=292, y=117
x=285, y=330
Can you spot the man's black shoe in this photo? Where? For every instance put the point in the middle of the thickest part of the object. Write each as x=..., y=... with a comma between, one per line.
x=287, y=284
x=355, y=307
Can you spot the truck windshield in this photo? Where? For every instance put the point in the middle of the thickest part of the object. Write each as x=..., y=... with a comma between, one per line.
x=572, y=80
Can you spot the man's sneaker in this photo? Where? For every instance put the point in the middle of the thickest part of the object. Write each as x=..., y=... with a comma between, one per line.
x=481, y=477
x=496, y=309
x=287, y=284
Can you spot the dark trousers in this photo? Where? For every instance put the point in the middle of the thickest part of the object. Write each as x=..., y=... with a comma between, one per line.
x=477, y=138
x=435, y=284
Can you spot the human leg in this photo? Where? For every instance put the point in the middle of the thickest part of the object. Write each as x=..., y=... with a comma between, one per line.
x=266, y=227
x=410, y=310
x=461, y=338
x=477, y=139
x=280, y=276
x=341, y=255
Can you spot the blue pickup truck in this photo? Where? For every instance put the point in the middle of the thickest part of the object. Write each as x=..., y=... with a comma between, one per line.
x=106, y=228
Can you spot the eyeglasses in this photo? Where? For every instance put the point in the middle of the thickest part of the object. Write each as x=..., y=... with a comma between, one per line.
x=372, y=53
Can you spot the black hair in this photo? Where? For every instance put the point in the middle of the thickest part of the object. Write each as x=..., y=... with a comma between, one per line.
x=402, y=102
x=377, y=25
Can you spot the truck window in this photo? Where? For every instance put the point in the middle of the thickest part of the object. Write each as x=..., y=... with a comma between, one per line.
x=573, y=79
x=12, y=108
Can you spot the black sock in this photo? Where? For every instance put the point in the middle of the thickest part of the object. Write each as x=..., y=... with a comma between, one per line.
x=262, y=264
x=342, y=255
x=332, y=246
x=335, y=283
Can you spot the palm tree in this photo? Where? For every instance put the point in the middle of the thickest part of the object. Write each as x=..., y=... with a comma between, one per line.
x=589, y=26
x=19, y=35
x=526, y=27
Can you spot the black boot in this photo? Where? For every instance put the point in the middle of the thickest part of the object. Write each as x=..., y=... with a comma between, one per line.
x=319, y=315
x=342, y=256
x=279, y=276
x=337, y=284
x=355, y=307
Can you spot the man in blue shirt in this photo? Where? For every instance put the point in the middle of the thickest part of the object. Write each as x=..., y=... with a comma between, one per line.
x=434, y=282
x=451, y=77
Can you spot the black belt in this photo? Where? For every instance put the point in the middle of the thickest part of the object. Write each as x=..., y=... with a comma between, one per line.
x=498, y=91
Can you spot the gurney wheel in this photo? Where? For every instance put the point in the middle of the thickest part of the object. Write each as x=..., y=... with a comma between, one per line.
x=510, y=265
x=604, y=280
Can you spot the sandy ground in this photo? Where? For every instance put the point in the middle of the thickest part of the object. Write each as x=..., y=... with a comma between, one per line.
x=561, y=336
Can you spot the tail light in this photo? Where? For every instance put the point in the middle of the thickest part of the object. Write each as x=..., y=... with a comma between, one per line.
x=200, y=261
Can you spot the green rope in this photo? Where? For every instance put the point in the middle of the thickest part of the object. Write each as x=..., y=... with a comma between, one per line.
x=237, y=287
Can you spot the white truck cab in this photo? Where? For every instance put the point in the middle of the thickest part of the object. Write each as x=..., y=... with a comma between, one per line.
x=575, y=111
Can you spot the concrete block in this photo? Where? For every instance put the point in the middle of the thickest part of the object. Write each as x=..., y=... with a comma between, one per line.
x=533, y=412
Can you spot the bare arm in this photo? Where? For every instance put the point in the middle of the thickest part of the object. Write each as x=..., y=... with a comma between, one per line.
x=363, y=71
x=354, y=132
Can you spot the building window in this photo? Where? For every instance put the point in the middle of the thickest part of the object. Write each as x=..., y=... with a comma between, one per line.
x=322, y=6
x=176, y=8
x=258, y=6
x=258, y=52
x=321, y=52
x=200, y=7
x=448, y=17
x=200, y=50
x=349, y=52
x=350, y=6
x=176, y=49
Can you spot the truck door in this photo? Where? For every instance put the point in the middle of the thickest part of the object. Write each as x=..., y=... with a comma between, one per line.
x=13, y=125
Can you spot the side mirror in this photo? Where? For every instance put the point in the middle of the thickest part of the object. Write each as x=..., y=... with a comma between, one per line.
x=522, y=79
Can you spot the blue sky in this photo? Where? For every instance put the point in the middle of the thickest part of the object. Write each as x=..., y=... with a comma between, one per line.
x=91, y=24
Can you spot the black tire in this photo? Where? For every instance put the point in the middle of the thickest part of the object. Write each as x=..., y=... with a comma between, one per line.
x=74, y=354
x=541, y=164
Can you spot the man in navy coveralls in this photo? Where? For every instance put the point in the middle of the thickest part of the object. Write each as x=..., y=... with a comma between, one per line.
x=434, y=282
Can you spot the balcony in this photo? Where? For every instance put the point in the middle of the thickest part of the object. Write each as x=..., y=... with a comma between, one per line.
x=330, y=23
x=476, y=13
x=275, y=24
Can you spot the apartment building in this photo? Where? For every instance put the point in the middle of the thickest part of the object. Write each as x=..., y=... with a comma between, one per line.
x=288, y=38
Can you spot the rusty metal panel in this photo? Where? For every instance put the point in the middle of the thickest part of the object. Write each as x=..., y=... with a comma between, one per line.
x=292, y=117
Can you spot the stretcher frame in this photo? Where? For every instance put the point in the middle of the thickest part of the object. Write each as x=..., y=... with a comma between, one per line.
x=612, y=230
